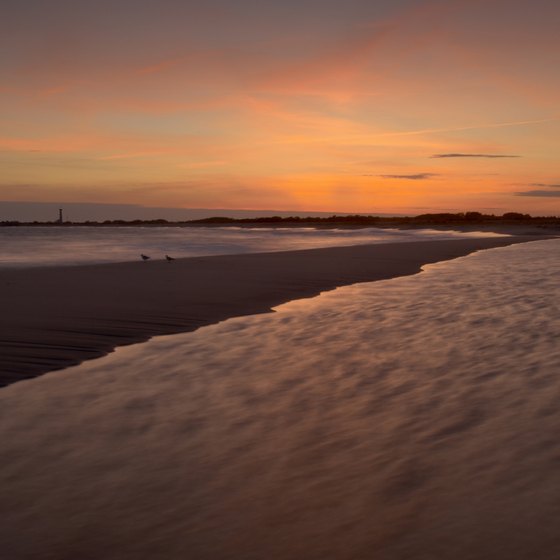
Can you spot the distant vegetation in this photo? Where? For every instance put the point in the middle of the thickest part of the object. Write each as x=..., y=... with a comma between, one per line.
x=461, y=218
x=443, y=219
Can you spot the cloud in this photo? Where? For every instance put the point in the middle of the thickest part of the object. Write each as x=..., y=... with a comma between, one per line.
x=546, y=185
x=537, y=193
x=412, y=177
x=474, y=156
x=160, y=66
x=472, y=127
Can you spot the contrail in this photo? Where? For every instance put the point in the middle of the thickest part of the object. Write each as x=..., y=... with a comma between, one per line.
x=473, y=127
x=369, y=137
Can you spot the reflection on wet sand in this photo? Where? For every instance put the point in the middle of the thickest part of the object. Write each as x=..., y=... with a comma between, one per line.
x=413, y=418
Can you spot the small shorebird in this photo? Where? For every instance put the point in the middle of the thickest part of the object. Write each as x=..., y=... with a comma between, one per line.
x=145, y=257
x=168, y=258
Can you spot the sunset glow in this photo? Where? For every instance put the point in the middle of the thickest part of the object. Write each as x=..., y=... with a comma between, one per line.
x=403, y=106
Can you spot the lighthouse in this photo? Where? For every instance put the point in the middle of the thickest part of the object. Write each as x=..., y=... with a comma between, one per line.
x=60, y=220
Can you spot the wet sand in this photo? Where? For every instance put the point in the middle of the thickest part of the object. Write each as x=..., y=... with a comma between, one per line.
x=412, y=419
x=53, y=318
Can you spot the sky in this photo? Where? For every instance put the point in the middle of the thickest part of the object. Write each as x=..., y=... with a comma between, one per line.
x=404, y=106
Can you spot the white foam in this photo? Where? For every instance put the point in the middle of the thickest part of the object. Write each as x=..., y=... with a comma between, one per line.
x=55, y=246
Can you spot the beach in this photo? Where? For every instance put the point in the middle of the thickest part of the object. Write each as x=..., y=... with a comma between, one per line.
x=280, y=280
x=410, y=418
x=55, y=317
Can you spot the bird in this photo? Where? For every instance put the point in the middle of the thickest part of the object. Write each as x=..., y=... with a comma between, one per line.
x=168, y=258
x=145, y=257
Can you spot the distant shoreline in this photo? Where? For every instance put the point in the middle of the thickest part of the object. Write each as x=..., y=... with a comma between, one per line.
x=56, y=317
x=544, y=227
x=472, y=221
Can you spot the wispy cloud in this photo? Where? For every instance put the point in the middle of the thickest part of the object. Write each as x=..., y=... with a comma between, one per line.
x=131, y=155
x=547, y=185
x=160, y=66
x=454, y=155
x=411, y=177
x=481, y=126
x=538, y=193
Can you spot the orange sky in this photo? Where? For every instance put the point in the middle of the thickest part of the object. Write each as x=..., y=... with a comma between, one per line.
x=308, y=105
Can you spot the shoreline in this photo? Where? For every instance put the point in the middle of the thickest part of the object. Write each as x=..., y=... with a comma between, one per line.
x=508, y=228
x=56, y=317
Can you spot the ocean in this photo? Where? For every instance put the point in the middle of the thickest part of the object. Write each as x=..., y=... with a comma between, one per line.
x=415, y=418
x=61, y=246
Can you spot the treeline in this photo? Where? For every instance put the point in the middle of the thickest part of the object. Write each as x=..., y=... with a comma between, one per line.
x=441, y=218
x=445, y=218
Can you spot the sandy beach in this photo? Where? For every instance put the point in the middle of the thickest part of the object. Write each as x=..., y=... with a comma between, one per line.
x=279, y=280
x=408, y=419
x=57, y=317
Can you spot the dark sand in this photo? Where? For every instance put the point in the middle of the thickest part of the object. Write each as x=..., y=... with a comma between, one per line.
x=56, y=317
